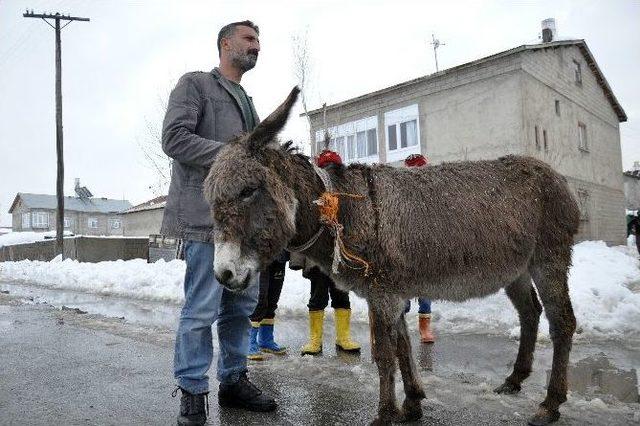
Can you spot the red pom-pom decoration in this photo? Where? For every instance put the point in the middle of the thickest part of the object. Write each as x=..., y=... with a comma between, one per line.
x=416, y=160
x=327, y=157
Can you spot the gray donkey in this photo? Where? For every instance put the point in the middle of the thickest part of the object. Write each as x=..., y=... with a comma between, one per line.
x=454, y=231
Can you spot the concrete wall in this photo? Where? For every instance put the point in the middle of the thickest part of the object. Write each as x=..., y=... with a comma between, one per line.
x=142, y=223
x=597, y=172
x=631, y=192
x=83, y=249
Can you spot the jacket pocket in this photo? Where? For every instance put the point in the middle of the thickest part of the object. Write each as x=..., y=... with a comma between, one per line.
x=195, y=210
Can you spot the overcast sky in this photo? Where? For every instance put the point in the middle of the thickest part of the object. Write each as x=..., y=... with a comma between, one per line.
x=118, y=68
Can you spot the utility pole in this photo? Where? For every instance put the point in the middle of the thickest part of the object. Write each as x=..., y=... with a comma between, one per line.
x=436, y=43
x=59, y=152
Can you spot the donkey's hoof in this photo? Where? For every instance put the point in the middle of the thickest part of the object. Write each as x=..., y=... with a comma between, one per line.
x=508, y=388
x=544, y=416
x=380, y=422
x=411, y=411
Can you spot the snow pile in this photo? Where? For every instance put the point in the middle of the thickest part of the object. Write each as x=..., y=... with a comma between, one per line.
x=601, y=282
x=12, y=238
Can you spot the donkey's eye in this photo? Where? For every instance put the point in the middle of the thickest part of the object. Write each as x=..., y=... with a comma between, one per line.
x=247, y=193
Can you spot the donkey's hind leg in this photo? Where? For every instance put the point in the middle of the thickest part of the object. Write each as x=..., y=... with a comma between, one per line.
x=411, y=409
x=525, y=300
x=551, y=281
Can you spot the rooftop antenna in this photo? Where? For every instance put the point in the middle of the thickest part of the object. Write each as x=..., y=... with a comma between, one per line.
x=436, y=43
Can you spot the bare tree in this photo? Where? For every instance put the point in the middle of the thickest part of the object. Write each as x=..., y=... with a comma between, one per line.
x=151, y=146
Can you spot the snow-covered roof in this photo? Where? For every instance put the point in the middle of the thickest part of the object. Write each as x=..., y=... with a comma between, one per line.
x=156, y=203
x=581, y=44
x=87, y=205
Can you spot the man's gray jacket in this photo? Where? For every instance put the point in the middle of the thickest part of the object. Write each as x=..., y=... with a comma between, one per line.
x=203, y=114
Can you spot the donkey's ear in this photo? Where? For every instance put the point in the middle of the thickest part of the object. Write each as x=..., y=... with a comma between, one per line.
x=267, y=130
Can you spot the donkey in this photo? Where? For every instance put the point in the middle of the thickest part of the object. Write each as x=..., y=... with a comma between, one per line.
x=453, y=231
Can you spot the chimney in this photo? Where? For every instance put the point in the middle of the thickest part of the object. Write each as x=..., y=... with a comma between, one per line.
x=548, y=30
x=77, y=181
x=636, y=166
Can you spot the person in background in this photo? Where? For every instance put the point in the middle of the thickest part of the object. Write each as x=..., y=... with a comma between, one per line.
x=424, y=304
x=321, y=288
x=633, y=227
x=263, y=318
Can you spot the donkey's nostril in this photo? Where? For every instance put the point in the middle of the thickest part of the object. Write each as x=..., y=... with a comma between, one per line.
x=226, y=276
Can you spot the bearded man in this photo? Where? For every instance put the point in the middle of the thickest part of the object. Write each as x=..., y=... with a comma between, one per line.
x=205, y=111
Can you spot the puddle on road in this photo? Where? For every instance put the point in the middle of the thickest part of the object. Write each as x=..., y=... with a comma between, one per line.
x=141, y=312
x=596, y=375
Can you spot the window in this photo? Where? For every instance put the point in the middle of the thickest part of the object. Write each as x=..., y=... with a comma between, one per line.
x=558, y=108
x=402, y=129
x=577, y=70
x=67, y=222
x=40, y=220
x=582, y=137
x=544, y=140
x=92, y=222
x=354, y=141
x=537, y=138
x=26, y=220
x=114, y=223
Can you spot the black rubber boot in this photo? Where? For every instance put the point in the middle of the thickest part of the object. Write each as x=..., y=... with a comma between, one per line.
x=245, y=394
x=194, y=408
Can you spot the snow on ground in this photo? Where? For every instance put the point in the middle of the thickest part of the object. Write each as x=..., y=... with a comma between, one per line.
x=12, y=238
x=600, y=282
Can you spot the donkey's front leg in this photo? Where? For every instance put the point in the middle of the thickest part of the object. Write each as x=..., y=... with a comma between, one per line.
x=385, y=342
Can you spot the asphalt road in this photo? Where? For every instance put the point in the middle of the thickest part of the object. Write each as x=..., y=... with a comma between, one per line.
x=64, y=367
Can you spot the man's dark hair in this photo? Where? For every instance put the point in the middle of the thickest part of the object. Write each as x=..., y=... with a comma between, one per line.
x=229, y=29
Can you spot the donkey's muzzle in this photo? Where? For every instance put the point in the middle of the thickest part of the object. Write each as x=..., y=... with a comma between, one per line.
x=231, y=282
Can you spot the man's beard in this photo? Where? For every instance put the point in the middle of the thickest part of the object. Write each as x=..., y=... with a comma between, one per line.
x=244, y=60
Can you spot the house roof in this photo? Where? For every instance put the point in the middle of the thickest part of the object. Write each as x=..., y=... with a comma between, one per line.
x=581, y=44
x=155, y=203
x=87, y=205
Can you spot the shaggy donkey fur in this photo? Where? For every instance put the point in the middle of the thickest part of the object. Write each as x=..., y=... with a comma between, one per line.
x=452, y=232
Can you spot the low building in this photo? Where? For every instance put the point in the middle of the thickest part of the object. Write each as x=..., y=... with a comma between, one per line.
x=632, y=188
x=547, y=100
x=144, y=219
x=83, y=215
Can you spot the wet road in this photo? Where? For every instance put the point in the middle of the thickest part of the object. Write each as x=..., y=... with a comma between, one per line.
x=61, y=366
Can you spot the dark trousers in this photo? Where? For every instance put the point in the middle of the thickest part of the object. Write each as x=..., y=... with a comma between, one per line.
x=270, y=288
x=321, y=287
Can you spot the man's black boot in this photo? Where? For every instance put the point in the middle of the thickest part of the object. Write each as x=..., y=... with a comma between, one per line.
x=245, y=394
x=193, y=408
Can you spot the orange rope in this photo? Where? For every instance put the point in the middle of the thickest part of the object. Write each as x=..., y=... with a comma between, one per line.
x=329, y=206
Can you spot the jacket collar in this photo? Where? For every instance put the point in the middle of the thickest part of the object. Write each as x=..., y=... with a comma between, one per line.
x=229, y=88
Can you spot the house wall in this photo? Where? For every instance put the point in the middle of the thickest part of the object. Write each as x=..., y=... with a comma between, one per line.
x=597, y=172
x=79, y=221
x=142, y=223
x=631, y=192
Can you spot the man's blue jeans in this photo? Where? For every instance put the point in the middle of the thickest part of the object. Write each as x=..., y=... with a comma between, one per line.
x=205, y=302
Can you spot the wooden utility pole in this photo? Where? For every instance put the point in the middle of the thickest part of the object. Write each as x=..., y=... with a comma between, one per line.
x=59, y=152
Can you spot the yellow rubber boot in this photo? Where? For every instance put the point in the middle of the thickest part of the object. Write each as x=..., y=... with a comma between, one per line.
x=343, y=331
x=314, y=346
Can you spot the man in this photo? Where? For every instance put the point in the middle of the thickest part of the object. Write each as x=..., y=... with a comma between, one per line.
x=205, y=111
x=633, y=227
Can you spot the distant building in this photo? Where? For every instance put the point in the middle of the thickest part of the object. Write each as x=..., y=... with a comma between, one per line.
x=548, y=100
x=144, y=219
x=83, y=214
x=632, y=187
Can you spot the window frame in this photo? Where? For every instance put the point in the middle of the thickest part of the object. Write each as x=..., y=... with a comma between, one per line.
x=344, y=140
x=399, y=117
x=90, y=221
x=26, y=215
x=583, y=137
x=67, y=222
x=113, y=221
x=577, y=72
x=40, y=220
x=537, y=137
x=545, y=143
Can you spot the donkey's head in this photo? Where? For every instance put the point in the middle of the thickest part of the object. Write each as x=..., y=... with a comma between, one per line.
x=254, y=211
